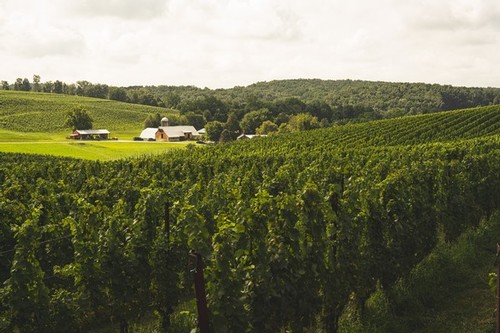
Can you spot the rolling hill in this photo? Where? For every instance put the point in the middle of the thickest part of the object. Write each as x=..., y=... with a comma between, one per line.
x=43, y=112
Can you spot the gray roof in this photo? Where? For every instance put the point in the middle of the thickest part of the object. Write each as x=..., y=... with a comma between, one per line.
x=179, y=131
x=171, y=131
x=93, y=132
x=148, y=133
x=250, y=136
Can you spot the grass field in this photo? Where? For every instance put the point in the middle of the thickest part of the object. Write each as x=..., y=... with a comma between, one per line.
x=92, y=150
x=33, y=123
x=15, y=136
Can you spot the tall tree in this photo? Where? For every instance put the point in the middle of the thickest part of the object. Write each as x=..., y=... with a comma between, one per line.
x=58, y=87
x=232, y=126
x=195, y=119
x=254, y=119
x=48, y=87
x=118, y=94
x=5, y=85
x=36, y=83
x=78, y=118
x=26, y=86
x=18, y=84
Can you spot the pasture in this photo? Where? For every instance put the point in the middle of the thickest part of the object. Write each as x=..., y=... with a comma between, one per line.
x=91, y=150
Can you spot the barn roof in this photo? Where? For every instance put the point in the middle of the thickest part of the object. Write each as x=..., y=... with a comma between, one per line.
x=179, y=131
x=148, y=133
x=93, y=132
x=171, y=131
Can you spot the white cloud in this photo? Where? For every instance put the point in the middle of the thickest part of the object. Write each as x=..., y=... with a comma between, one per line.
x=124, y=9
x=222, y=43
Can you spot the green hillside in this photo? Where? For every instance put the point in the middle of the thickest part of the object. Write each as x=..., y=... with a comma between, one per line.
x=436, y=127
x=413, y=131
x=43, y=112
x=386, y=226
x=387, y=99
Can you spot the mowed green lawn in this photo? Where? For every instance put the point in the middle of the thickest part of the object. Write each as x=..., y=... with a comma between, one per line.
x=56, y=144
x=92, y=150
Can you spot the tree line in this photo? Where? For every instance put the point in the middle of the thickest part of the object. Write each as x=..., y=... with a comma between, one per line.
x=86, y=89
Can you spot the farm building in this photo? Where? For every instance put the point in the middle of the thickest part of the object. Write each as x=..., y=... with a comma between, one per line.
x=100, y=134
x=170, y=133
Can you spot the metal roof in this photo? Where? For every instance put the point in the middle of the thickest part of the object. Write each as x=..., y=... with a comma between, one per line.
x=178, y=131
x=171, y=131
x=93, y=132
x=149, y=133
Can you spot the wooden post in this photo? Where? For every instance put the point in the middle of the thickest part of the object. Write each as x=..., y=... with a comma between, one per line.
x=201, y=298
x=497, y=263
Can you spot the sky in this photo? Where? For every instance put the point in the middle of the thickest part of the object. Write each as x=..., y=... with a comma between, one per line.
x=227, y=43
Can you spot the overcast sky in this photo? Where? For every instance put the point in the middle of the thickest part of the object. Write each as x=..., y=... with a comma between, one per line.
x=225, y=43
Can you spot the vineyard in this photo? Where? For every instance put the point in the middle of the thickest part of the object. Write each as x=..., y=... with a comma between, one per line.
x=293, y=228
x=42, y=112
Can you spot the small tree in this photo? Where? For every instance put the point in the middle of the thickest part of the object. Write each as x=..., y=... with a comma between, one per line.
x=225, y=136
x=267, y=127
x=78, y=118
x=302, y=122
x=214, y=130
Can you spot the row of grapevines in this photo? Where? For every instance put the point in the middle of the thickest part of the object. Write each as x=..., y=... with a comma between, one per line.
x=289, y=230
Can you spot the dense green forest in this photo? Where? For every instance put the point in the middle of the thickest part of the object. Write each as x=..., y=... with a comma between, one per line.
x=328, y=101
x=296, y=229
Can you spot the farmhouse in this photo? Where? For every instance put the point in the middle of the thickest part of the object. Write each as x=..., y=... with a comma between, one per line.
x=100, y=134
x=169, y=133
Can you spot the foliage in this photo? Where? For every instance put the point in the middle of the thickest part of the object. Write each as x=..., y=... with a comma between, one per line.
x=294, y=228
x=78, y=118
x=266, y=127
x=302, y=122
x=330, y=101
x=153, y=120
x=232, y=127
x=214, y=130
x=253, y=119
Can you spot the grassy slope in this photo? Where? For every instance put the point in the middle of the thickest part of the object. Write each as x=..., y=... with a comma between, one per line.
x=45, y=113
x=34, y=123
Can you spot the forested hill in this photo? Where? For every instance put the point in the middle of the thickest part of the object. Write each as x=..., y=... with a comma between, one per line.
x=348, y=98
x=332, y=100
